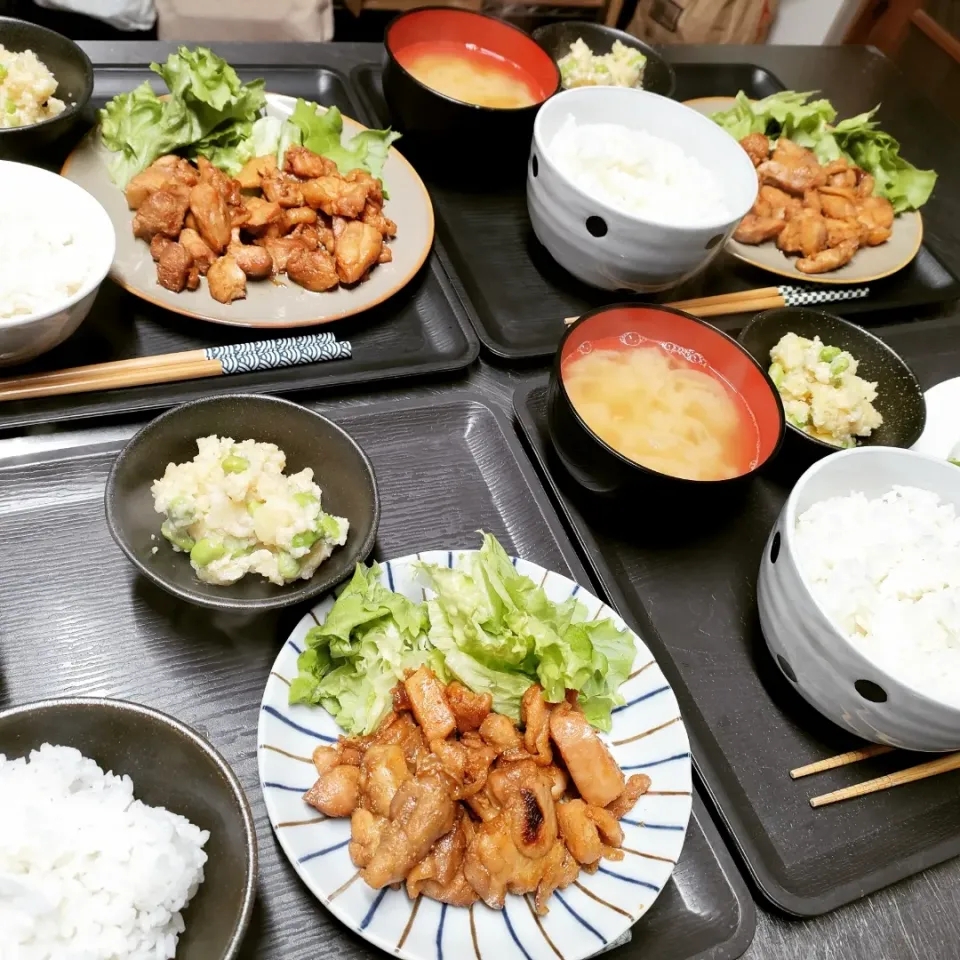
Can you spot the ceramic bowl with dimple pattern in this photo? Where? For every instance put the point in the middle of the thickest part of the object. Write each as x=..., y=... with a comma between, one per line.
x=647, y=736
x=823, y=666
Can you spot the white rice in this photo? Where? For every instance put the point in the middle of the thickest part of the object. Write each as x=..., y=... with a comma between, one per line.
x=638, y=173
x=887, y=571
x=86, y=871
x=46, y=258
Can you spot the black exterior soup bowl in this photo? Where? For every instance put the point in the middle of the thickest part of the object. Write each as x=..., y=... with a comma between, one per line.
x=171, y=766
x=340, y=468
x=71, y=68
x=899, y=399
x=449, y=136
x=602, y=470
x=556, y=38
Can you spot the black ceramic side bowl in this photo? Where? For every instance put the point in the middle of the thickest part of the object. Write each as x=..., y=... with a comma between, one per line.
x=602, y=470
x=556, y=38
x=340, y=468
x=899, y=396
x=171, y=766
x=74, y=75
x=440, y=132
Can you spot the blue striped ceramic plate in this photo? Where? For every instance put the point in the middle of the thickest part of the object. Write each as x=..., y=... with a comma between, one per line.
x=648, y=735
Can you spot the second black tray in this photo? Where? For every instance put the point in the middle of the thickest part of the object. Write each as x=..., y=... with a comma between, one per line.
x=420, y=331
x=517, y=296
x=445, y=467
x=690, y=592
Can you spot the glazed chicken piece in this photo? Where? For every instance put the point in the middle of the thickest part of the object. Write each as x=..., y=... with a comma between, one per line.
x=255, y=262
x=167, y=172
x=253, y=171
x=307, y=235
x=422, y=811
x=535, y=715
x=213, y=220
x=357, y=250
x=162, y=212
x=324, y=231
x=173, y=267
x=637, y=785
x=429, y=704
x=781, y=204
x=795, y=180
x=336, y=792
x=755, y=229
x=262, y=212
x=443, y=862
x=875, y=215
x=469, y=709
x=806, y=234
x=382, y=772
x=282, y=189
x=500, y=733
x=227, y=282
x=373, y=185
x=840, y=230
x=312, y=269
x=326, y=758
x=294, y=216
x=526, y=800
x=366, y=829
x=757, y=147
x=866, y=184
x=158, y=244
x=811, y=201
x=579, y=832
x=336, y=196
x=304, y=163
x=227, y=187
x=595, y=773
x=281, y=249
x=837, y=206
x=386, y=255
x=831, y=259
x=401, y=730
x=202, y=255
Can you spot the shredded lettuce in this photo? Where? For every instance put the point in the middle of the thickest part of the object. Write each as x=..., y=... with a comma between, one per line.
x=487, y=625
x=810, y=123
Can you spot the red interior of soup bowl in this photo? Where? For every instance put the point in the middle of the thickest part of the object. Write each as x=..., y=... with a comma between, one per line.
x=724, y=355
x=477, y=30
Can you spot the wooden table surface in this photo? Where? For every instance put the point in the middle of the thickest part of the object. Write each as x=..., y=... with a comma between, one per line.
x=918, y=919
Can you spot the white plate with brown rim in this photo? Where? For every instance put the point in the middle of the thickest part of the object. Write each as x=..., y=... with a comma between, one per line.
x=279, y=304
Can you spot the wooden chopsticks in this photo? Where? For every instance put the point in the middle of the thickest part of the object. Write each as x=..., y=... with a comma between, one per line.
x=921, y=771
x=170, y=367
x=763, y=298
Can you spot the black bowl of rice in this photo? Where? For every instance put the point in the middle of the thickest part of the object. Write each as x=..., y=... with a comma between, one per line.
x=135, y=823
x=45, y=82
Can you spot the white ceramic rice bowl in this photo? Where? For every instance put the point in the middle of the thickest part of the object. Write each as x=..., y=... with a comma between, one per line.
x=809, y=649
x=633, y=254
x=24, y=337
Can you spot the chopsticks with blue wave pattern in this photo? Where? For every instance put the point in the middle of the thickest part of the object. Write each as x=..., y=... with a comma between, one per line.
x=174, y=367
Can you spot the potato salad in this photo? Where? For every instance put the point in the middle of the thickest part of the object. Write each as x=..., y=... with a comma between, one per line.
x=234, y=512
x=821, y=392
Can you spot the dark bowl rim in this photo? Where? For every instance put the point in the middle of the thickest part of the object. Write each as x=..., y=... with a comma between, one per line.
x=557, y=375
x=623, y=37
x=857, y=331
x=493, y=111
x=204, y=745
x=297, y=595
x=69, y=110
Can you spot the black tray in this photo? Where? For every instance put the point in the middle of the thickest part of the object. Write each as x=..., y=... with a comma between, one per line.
x=420, y=331
x=691, y=594
x=445, y=468
x=517, y=296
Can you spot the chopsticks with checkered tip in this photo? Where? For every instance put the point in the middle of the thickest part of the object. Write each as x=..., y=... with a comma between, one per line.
x=942, y=764
x=765, y=298
x=172, y=367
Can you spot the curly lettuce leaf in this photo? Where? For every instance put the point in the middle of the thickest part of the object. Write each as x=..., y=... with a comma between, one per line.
x=810, y=123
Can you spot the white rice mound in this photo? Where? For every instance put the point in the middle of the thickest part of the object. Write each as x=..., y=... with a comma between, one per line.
x=86, y=871
x=638, y=173
x=887, y=572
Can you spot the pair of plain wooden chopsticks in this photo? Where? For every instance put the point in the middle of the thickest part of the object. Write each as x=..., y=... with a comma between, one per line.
x=188, y=365
x=764, y=298
x=921, y=771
